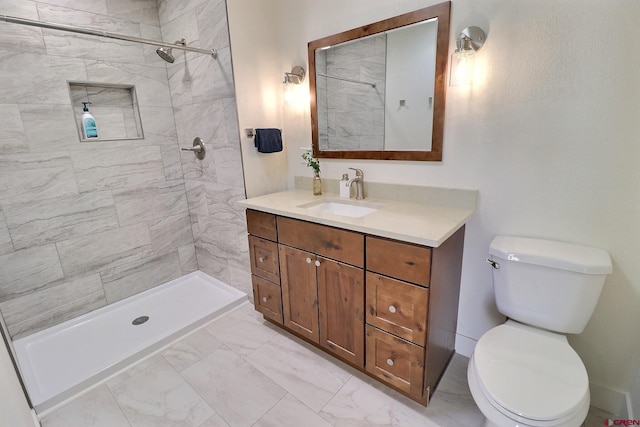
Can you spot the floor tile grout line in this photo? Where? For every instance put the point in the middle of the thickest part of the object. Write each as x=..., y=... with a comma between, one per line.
x=272, y=406
x=209, y=404
x=115, y=399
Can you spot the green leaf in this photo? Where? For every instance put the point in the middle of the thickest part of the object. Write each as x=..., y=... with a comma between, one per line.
x=311, y=162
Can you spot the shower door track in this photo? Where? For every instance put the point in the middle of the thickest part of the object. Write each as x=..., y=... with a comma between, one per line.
x=100, y=33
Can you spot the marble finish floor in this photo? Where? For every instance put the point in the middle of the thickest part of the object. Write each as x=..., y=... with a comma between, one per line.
x=241, y=371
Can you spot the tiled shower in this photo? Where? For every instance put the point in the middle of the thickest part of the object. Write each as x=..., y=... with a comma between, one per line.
x=85, y=224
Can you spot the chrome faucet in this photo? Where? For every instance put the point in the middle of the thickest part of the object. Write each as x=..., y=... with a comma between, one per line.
x=359, y=180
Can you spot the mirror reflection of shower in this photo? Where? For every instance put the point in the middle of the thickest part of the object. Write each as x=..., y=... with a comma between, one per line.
x=165, y=52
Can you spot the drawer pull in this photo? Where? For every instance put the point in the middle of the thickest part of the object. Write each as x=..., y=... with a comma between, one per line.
x=392, y=309
x=261, y=259
x=265, y=299
x=308, y=260
x=317, y=263
x=390, y=362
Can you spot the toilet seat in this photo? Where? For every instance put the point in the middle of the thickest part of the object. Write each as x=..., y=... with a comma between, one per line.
x=530, y=375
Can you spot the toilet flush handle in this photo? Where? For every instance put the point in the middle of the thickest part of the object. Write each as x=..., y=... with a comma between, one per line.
x=494, y=264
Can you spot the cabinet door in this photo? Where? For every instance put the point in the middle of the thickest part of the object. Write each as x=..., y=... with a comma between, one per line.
x=341, y=308
x=299, y=291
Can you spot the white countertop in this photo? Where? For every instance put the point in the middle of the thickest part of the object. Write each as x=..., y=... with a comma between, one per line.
x=421, y=223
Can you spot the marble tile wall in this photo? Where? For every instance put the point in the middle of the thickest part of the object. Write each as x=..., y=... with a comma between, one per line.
x=350, y=114
x=202, y=91
x=85, y=224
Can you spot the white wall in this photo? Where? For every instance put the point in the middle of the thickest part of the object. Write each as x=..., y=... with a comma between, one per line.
x=550, y=137
x=258, y=74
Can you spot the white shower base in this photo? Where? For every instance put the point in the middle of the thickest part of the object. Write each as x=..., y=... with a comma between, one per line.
x=61, y=361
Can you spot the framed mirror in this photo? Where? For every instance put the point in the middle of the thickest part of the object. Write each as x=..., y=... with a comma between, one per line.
x=378, y=91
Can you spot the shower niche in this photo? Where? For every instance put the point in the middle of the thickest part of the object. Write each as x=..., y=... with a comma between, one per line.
x=113, y=106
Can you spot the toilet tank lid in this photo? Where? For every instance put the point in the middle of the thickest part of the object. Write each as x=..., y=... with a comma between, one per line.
x=548, y=253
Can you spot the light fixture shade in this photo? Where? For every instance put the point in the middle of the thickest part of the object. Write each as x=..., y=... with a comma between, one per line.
x=287, y=91
x=462, y=66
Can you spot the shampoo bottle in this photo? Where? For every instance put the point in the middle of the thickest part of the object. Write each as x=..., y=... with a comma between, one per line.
x=345, y=190
x=89, y=127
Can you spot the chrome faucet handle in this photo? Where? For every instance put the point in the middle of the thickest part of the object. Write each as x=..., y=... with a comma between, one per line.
x=358, y=171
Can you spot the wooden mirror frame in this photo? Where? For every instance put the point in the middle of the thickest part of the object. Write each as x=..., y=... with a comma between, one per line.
x=440, y=11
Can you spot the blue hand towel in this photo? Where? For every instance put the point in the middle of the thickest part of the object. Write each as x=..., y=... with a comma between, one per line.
x=268, y=140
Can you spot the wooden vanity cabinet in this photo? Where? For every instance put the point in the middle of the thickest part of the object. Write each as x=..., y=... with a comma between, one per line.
x=411, y=312
x=385, y=306
x=322, y=294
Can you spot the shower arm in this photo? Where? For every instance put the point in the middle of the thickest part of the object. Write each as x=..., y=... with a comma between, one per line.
x=107, y=34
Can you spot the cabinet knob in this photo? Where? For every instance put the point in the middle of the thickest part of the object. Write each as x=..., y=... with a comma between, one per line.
x=392, y=309
x=308, y=260
x=265, y=299
x=261, y=259
x=390, y=362
x=317, y=263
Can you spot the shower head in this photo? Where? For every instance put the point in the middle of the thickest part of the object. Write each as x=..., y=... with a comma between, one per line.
x=165, y=52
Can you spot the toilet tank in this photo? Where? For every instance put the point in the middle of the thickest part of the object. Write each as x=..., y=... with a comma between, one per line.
x=547, y=284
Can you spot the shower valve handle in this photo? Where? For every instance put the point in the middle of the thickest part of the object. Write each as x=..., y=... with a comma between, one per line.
x=198, y=148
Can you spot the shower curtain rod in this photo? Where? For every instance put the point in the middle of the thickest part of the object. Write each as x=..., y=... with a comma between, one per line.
x=88, y=31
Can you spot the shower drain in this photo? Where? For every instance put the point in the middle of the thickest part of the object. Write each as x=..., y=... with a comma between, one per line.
x=140, y=320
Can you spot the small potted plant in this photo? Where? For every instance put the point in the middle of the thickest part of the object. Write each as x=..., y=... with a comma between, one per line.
x=315, y=164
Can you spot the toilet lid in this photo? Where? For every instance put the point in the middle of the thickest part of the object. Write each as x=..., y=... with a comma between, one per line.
x=529, y=373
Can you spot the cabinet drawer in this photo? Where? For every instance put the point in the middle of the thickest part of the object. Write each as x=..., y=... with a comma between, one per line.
x=264, y=258
x=395, y=361
x=404, y=261
x=397, y=307
x=261, y=224
x=334, y=243
x=267, y=298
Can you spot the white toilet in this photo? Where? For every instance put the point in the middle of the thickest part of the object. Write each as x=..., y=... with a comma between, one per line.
x=524, y=373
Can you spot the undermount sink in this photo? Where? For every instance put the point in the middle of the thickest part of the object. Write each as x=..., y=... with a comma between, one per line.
x=342, y=207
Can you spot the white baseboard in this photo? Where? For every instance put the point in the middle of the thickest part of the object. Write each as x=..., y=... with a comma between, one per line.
x=465, y=345
x=615, y=401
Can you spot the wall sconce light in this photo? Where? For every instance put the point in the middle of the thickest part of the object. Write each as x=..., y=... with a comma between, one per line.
x=295, y=77
x=463, y=58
